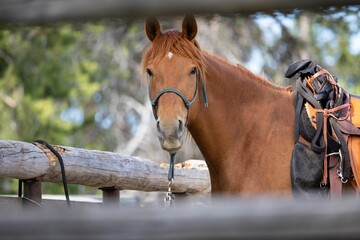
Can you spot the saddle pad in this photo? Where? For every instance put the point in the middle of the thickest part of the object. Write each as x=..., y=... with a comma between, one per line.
x=355, y=110
x=354, y=150
x=354, y=141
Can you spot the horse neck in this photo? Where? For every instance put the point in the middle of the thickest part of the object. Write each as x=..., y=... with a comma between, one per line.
x=242, y=108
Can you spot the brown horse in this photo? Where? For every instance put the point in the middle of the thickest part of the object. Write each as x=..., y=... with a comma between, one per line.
x=245, y=133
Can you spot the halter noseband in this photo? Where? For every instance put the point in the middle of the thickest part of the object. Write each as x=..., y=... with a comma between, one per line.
x=187, y=103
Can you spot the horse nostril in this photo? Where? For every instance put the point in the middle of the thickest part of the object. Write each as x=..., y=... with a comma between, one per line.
x=158, y=126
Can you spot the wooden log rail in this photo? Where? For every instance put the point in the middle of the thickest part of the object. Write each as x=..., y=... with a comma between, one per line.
x=105, y=170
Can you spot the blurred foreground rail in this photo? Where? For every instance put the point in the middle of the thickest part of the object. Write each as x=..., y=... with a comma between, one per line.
x=259, y=218
x=48, y=11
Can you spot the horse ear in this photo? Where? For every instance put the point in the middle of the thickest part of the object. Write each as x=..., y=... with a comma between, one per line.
x=189, y=26
x=152, y=28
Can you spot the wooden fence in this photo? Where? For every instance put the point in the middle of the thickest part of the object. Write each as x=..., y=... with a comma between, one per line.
x=111, y=172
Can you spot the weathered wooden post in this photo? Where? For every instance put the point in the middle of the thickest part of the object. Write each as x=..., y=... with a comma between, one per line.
x=111, y=196
x=32, y=192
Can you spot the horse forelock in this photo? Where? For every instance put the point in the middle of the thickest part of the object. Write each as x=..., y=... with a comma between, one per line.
x=173, y=41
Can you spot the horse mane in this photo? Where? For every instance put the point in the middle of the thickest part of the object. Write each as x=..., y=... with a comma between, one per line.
x=173, y=41
x=244, y=71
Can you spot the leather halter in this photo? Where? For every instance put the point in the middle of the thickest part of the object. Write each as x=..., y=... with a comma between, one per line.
x=188, y=104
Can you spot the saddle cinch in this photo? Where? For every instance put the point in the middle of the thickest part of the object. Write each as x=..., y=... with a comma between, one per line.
x=326, y=155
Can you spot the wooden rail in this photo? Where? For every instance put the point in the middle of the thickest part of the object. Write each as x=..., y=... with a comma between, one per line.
x=47, y=11
x=110, y=172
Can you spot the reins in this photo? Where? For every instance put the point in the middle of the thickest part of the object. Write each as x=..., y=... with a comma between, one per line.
x=62, y=167
x=63, y=175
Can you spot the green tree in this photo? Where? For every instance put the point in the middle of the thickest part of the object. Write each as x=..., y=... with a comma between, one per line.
x=54, y=82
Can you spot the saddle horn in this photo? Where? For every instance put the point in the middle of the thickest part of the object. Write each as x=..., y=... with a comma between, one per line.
x=297, y=67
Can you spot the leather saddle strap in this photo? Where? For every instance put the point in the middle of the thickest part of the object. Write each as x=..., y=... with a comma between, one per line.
x=335, y=182
x=343, y=139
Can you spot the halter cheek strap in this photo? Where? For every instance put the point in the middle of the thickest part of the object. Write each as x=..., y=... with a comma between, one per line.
x=206, y=101
x=187, y=103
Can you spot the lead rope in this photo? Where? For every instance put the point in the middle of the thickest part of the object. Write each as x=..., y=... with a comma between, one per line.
x=169, y=199
x=62, y=167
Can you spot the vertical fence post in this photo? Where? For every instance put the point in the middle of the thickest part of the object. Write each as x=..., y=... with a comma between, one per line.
x=111, y=196
x=32, y=192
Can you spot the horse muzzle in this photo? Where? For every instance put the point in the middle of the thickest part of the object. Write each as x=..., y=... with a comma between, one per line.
x=170, y=134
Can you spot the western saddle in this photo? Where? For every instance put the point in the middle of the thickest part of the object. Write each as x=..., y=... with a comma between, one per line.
x=334, y=115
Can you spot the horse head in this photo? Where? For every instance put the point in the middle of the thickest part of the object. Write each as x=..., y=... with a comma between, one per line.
x=174, y=67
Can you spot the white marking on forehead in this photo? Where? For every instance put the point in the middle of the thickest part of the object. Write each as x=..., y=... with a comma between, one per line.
x=170, y=55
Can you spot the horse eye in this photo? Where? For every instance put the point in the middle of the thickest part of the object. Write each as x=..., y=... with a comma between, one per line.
x=149, y=72
x=193, y=71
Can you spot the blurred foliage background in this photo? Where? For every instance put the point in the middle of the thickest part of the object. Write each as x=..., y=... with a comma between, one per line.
x=80, y=85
